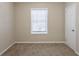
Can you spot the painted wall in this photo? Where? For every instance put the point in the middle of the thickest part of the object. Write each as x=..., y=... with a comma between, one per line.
x=6, y=25
x=55, y=22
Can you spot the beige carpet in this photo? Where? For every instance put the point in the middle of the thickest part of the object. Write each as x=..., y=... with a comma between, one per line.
x=39, y=49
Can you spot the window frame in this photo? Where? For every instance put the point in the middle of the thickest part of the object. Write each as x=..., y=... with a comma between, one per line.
x=40, y=32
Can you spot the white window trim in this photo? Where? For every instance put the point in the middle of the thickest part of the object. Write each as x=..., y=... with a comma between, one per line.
x=32, y=32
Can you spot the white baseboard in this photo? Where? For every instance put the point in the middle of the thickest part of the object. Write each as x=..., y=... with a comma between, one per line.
x=33, y=42
x=42, y=42
x=72, y=49
x=7, y=48
x=77, y=53
x=29, y=42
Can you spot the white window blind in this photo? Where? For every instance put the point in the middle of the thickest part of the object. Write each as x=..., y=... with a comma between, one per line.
x=39, y=17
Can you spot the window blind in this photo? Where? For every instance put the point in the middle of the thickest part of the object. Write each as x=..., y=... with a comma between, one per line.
x=39, y=17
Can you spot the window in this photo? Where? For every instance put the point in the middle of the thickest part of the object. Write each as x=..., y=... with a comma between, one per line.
x=39, y=17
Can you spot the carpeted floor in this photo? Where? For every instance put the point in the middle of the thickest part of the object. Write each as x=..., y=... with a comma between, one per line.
x=40, y=49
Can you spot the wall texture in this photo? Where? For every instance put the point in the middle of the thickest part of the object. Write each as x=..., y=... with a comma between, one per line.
x=6, y=25
x=55, y=22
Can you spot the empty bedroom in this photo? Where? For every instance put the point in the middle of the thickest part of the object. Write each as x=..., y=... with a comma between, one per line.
x=39, y=29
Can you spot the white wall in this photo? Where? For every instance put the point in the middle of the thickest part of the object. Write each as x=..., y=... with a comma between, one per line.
x=55, y=22
x=6, y=25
